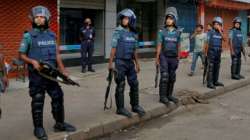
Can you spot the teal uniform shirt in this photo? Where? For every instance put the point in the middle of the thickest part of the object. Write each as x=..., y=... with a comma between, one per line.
x=25, y=43
x=116, y=36
x=160, y=37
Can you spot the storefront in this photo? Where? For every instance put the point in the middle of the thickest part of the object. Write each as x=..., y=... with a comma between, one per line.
x=72, y=15
x=150, y=18
x=104, y=16
x=228, y=10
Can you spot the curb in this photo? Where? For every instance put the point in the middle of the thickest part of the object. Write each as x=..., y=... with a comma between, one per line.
x=106, y=128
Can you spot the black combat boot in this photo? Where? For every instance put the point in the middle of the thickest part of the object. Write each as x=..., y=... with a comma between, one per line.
x=170, y=93
x=58, y=114
x=163, y=89
x=37, y=115
x=239, y=69
x=91, y=69
x=119, y=98
x=234, y=75
x=40, y=133
x=134, y=101
x=210, y=83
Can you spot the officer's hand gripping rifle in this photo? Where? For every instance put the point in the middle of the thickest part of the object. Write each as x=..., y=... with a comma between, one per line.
x=109, y=79
x=157, y=76
x=50, y=72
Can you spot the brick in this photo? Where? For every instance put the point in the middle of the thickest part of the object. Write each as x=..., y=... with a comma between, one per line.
x=14, y=20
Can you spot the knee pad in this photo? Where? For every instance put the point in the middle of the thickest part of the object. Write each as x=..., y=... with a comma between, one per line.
x=120, y=86
x=210, y=66
x=172, y=78
x=57, y=103
x=134, y=86
x=38, y=101
x=164, y=77
x=234, y=61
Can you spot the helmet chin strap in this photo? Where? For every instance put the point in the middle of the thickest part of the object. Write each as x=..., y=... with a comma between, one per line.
x=87, y=24
x=124, y=26
x=42, y=27
x=174, y=26
x=237, y=28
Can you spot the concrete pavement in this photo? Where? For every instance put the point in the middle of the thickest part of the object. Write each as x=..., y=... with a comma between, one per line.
x=226, y=117
x=84, y=105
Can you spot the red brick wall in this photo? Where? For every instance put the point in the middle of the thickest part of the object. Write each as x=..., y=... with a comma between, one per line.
x=14, y=21
x=227, y=16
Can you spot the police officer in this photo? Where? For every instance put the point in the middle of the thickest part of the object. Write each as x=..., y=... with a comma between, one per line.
x=215, y=38
x=236, y=44
x=87, y=37
x=167, y=55
x=39, y=44
x=124, y=43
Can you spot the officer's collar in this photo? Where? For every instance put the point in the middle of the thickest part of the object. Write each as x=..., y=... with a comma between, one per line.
x=168, y=29
x=214, y=30
x=39, y=30
x=122, y=28
x=237, y=29
x=85, y=27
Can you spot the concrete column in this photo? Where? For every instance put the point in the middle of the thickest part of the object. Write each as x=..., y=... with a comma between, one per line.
x=202, y=13
x=110, y=24
x=161, y=6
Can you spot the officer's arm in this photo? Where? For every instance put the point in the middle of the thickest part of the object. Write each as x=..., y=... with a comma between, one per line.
x=179, y=50
x=114, y=42
x=135, y=52
x=158, y=51
x=136, y=61
x=136, y=58
x=59, y=61
x=222, y=35
x=159, y=45
x=24, y=48
x=207, y=43
x=179, y=46
x=230, y=43
x=111, y=58
x=25, y=58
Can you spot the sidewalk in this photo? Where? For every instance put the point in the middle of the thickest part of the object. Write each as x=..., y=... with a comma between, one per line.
x=84, y=105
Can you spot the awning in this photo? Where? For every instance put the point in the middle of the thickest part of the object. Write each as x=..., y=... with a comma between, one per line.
x=226, y=4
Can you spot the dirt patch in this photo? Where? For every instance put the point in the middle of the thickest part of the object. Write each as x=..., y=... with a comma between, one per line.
x=187, y=96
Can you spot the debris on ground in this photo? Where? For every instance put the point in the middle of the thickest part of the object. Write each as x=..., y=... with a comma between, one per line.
x=190, y=97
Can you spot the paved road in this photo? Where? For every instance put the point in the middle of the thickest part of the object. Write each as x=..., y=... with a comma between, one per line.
x=226, y=117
